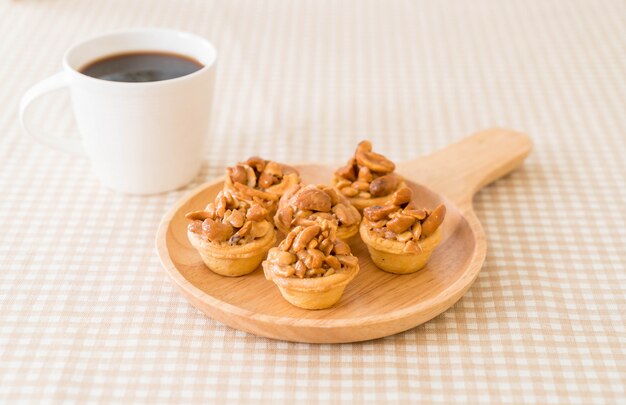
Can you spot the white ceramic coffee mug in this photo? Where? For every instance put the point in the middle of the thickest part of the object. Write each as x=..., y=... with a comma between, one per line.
x=142, y=137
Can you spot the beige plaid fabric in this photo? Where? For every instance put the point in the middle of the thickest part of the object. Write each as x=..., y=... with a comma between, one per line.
x=88, y=315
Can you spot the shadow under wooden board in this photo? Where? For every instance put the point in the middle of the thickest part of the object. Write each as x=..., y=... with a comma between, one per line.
x=375, y=304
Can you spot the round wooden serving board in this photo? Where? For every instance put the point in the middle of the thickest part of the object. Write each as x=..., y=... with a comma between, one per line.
x=375, y=304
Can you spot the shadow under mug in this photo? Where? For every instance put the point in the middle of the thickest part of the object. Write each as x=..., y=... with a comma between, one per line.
x=141, y=137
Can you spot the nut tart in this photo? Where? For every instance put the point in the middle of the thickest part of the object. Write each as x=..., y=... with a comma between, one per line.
x=262, y=181
x=231, y=235
x=311, y=267
x=399, y=236
x=304, y=205
x=368, y=178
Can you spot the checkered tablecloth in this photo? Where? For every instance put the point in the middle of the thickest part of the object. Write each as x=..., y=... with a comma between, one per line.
x=88, y=315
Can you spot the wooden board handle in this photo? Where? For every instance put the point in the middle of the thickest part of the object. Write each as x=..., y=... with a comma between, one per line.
x=460, y=170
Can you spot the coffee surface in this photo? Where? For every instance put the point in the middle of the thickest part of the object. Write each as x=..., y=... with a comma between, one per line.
x=141, y=67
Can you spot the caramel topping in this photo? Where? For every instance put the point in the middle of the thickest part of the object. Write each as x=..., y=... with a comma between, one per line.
x=400, y=219
x=230, y=220
x=367, y=174
x=311, y=251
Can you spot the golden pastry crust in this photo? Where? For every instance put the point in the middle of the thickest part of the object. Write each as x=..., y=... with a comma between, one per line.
x=368, y=178
x=262, y=181
x=399, y=236
x=232, y=236
x=390, y=255
x=232, y=261
x=311, y=267
x=305, y=205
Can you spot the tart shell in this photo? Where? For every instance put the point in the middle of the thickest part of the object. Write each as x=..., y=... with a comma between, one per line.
x=312, y=293
x=233, y=261
x=389, y=255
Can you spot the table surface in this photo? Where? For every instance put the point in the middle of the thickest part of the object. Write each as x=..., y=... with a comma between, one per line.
x=88, y=314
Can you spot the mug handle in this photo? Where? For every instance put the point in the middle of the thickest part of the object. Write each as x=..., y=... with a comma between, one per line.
x=50, y=84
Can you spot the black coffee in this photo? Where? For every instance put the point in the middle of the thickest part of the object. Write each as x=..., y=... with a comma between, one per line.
x=141, y=67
